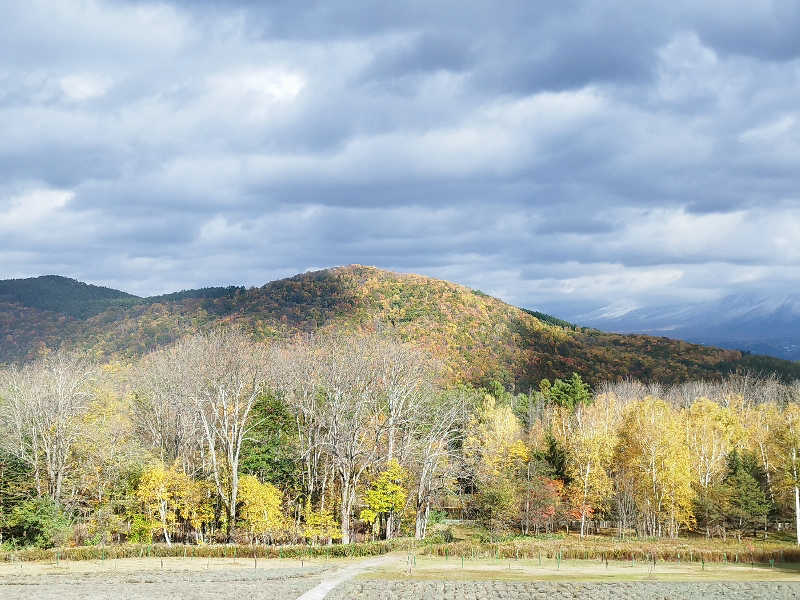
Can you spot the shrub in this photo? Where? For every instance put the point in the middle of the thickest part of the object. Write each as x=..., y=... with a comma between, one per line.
x=141, y=531
x=440, y=535
x=437, y=517
x=39, y=522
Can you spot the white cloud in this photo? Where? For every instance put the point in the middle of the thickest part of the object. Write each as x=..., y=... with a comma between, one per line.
x=84, y=86
x=33, y=207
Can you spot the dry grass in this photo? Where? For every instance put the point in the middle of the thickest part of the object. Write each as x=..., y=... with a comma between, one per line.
x=440, y=569
x=103, y=553
x=169, y=564
x=682, y=550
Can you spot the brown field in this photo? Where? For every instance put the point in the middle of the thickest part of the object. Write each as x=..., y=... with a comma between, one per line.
x=428, y=577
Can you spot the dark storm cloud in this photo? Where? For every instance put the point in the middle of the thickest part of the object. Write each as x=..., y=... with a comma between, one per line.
x=560, y=155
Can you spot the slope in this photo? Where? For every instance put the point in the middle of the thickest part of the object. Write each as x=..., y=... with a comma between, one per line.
x=477, y=338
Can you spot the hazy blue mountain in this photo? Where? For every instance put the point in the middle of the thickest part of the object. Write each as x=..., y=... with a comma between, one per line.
x=759, y=324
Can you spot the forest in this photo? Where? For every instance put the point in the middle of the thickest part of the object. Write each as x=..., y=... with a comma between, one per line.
x=329, y=438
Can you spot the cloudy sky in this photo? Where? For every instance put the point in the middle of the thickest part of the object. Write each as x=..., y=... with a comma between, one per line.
x=565, y=156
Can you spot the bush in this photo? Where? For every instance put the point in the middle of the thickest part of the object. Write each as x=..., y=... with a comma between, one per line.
x=141, y=531
x=39, y=522
x=440, y=535
x=436, y=517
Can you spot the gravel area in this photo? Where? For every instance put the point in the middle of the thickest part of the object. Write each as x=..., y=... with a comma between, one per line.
x=490, y=590
x=266, y=584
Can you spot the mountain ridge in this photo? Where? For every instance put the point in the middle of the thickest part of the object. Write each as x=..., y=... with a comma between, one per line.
x=749, y=322
x=478, y=338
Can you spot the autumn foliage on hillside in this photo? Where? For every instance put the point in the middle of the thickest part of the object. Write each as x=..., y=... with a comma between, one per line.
x=477, y=337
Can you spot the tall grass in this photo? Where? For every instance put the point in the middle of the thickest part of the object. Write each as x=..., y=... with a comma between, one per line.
x=600, y=548
x=207, y=551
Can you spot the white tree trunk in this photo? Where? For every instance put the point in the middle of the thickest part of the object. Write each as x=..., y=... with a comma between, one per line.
x=796, y=495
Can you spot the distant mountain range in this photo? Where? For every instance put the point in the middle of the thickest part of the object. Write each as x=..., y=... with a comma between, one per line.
x=758, y=324
x=476, y=337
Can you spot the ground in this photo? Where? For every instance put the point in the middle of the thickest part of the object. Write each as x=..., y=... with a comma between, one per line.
x=399, y=575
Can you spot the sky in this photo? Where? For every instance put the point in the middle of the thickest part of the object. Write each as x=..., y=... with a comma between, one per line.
x=568, y=156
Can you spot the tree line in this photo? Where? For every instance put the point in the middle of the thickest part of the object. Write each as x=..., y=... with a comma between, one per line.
x=331, y=438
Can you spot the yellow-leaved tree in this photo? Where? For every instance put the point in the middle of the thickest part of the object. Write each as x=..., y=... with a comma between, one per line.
x=386, y=496
x=763, y=423
x=711, y=432
x=590, y=440
x=495, y=454
x=320, y=525
x=195, y=505
x=789, y=436
x=159, y=491
x=261, y=509
x=654, y=454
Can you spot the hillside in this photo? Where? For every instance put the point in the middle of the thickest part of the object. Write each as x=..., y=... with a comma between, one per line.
x=62, y=295
x=476, y=336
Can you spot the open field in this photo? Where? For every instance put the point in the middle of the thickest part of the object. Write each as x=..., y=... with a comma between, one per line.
x=437, y=578
x=145, y=579
x=454, y=569
x=429, y=577
x=502, y=590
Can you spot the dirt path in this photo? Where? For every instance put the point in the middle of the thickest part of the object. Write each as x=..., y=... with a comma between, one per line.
x=345, y=574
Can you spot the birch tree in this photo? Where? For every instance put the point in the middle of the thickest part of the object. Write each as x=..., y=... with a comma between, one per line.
x=790, y=440
x=590, y=442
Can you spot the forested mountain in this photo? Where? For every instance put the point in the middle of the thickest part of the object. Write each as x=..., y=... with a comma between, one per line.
x=477, y=337
x=62, y=295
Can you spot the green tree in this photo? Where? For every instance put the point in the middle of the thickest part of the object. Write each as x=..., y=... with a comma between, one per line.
x=15, y=486
x=570, y=393
x=747, y=504
x=40, y=522
x=270, y=450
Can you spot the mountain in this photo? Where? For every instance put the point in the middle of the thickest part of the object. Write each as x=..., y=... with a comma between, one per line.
x=478, y=338
x=62, y=295
x=749, y=322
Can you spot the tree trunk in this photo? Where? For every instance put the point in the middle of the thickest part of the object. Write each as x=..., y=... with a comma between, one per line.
x=583, y=522
x=797, y=512
x=232, y=507
x=796, y=495
x=345, y=522
x=346, y=508
x=162, y=509
x=422, y=520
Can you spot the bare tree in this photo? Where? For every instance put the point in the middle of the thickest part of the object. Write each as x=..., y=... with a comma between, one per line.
x=206, y=385
x=357, y=399
x=348, y=407
x=40, y=418
x=438, y=428
x=164, y=414
x=408, y=384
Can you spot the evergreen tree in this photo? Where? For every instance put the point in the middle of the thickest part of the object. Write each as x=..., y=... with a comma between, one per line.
x=570, y=393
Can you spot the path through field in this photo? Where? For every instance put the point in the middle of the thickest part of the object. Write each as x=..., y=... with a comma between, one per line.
x=331, y=581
